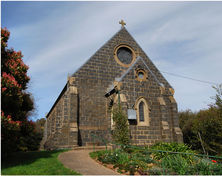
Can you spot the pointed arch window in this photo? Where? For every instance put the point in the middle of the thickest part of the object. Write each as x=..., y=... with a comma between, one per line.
x=142, y=109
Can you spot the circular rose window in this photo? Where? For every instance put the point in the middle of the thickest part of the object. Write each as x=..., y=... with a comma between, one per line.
x=124, y=55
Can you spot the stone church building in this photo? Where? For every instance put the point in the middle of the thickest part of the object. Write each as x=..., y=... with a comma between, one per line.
x=119, y=68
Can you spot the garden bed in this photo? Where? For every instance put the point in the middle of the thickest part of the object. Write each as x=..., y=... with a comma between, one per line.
x=143, y=162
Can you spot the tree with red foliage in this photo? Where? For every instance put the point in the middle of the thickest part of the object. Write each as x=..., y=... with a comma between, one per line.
x=9, y=133
x=16, y=101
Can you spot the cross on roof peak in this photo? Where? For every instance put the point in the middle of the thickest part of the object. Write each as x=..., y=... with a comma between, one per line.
x=122, y=23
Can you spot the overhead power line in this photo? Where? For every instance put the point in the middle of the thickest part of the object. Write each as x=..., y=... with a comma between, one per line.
x=190, y=78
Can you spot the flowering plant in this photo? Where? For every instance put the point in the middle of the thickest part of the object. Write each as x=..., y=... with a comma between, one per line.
x=9, y=132
x=16, y=102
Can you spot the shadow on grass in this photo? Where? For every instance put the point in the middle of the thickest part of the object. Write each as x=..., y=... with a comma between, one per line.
x=27, y=158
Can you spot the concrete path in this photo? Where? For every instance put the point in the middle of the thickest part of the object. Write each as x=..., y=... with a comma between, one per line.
x=81, y=162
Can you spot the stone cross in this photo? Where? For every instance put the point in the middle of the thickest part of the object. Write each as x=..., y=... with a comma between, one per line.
x=121, y=22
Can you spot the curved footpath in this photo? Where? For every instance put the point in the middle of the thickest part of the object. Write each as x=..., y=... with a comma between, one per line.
x=80, y=161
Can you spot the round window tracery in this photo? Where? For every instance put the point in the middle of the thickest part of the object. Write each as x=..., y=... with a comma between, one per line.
x=124, y=55
x=141, y=75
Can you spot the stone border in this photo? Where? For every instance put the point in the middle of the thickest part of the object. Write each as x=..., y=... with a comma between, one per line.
x=140, y=70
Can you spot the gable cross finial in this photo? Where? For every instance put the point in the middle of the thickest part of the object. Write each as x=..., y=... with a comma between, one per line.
x=122, y=23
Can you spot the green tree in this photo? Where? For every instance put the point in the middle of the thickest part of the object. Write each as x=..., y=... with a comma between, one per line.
x=121, y=132
x=209, y=125
x=204, y=127
x=29, y=139
x=40, y=126
x=218, y=97
x=186, y=119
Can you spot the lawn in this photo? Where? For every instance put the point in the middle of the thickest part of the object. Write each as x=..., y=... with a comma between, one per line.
x=143, y=162
x=35, y=163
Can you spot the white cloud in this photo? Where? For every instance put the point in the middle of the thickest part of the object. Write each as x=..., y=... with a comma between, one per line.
x=179, y=37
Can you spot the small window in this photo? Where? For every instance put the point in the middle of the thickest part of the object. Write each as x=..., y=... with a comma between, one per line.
x=141, y=111
x=141, y=75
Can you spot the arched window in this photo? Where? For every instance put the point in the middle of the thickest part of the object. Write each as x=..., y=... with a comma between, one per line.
x=142, y=109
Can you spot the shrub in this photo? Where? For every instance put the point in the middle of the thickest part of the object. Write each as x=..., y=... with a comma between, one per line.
x=173, y=147
x=209, y=124
x=121, y=132
x=155, y=171
x=9, y=134
x=134, y=165
x=173, y=163
x=124, y=160
x=216, y=168
x=206, y=167
x=114, y=157
x=203, y=166
x=186, y=119
x=143, y=156
x=176, y=163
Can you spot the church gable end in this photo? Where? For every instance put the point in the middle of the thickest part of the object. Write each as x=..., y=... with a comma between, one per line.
x=82, y=108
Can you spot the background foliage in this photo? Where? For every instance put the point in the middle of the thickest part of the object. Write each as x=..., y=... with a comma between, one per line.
x=205, y=125
x=39, y=126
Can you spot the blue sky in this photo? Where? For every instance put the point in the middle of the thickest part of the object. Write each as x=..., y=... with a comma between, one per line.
x=56, y=38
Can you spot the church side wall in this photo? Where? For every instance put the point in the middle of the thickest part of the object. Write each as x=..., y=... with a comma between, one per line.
x=92, y=109
x=62, y=130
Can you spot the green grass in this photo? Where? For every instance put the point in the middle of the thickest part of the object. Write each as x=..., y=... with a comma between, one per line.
x=96, y=154
x=35, y=163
